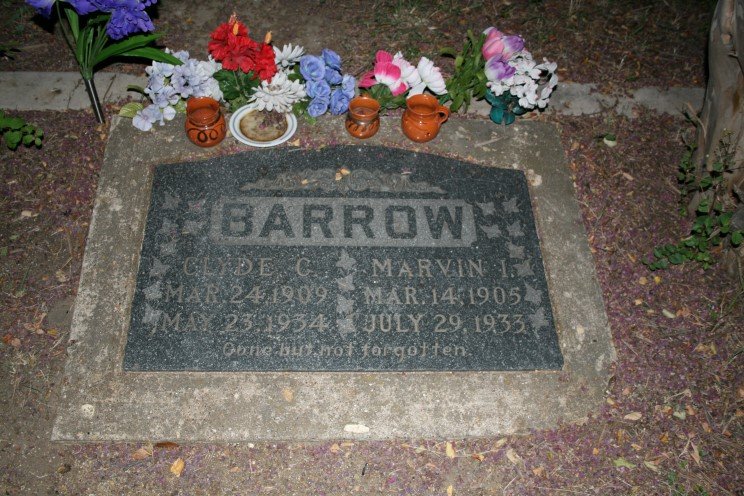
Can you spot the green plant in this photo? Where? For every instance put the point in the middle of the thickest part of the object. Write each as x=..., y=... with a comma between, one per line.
x=16, y=131
x=712, y=225
x=469, y=80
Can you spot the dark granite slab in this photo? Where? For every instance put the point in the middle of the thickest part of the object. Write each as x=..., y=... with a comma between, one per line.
x=342, y=259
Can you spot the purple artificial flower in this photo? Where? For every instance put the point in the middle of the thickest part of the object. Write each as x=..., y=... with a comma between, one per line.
x=339, y=102
x=348, y=85
x=318, y=89
x=312, y=68
x=498, y=70
x=317, y=107
x=331, y=59
x=127, y=17
x=43, y=7
x=83, y=7
x=332, y=76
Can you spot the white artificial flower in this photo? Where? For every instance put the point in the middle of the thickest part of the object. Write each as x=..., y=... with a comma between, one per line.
x=278, y=95
x=408, y=72
x=288, y=55
x=431, y=77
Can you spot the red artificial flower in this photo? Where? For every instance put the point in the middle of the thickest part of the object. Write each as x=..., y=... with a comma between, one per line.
x=232, y=46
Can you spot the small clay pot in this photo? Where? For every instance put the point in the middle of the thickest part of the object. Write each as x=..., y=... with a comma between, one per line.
x=363, y=120
x=423, y=117
x=205, y=124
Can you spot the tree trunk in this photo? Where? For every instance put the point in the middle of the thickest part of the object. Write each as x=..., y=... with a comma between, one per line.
x=722, y=117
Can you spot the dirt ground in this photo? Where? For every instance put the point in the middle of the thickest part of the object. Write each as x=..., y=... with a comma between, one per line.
x=672, y=422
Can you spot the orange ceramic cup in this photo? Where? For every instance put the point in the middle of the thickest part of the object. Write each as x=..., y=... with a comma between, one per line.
x=423, y=117
x=363, y=120
x=205, y=124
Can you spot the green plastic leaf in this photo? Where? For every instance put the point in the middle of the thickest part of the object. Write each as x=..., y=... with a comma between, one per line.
x=130, y=109
x=136, y=88
x=74, y=22
x=151, y=53
x=131, y=43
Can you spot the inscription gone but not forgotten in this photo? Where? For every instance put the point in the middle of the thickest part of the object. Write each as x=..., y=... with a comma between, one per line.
x=275, y=261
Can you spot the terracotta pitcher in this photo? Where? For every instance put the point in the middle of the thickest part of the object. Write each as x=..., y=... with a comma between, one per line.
x=205, y=124
x=363, y=120
x=423, y=118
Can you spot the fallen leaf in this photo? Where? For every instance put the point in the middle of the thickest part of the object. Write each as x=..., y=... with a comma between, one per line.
x=651, y=466
x=610, y=401
x=141, y=454
x=295, y=142
x=338, y=176
x=347, y=445
x=628, y=176
x=450, y=450
x=684, y=312
x=234, y=470
x=595, y=451
x=513, y=456
x=7, y=338
x=288, y=394
x=335, y=448
x=26, y=214
x=657, y=279
x=643, y=281
x=695, y=453
x=638, y=301
x=539, y=471
x=668, y=314
x=177, y=467
x=620, y=436
x=478, y=456
x=61, y=276
x=622, y=462
x=15, y=343
x=64, y=468
x=680, y=414
x=450, y=490
x=304, y=182
x=664, y=438
x=344, y=171
x=500, y=442
x=636, y=447
x=691, y=410
x=356, y=428
x=633, y=416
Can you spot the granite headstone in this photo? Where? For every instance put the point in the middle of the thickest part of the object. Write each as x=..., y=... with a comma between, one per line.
x=341, y=259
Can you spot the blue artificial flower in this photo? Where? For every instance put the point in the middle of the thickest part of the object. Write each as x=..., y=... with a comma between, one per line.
x=348, y=85
x=339, y=102
x=332, y=76
x=331, y=59
x=317, y=107
x=127, y=17
x=43, y=7
x=312, y=68
x=318, y=89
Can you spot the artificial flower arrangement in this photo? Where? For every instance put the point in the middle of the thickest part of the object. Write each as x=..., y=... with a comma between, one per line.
x=498, y=68
x=168, y=88
x=394, y=79
x=97, y=30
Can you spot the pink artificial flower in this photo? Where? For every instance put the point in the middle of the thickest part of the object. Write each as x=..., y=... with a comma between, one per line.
x=385, y=72
x=388, y=74
x=498, y=45
x=367, y=80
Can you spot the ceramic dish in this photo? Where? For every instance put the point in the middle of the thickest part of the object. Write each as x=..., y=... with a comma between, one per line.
x=238, y=134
